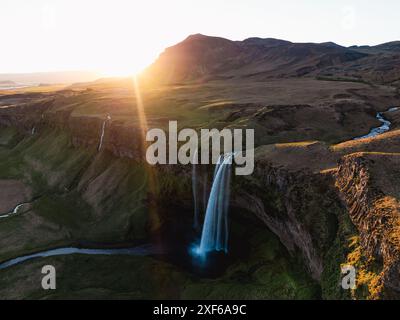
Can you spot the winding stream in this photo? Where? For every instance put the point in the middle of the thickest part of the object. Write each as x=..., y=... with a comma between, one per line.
x=143, y=250
x=15, y=211
x=381, y=129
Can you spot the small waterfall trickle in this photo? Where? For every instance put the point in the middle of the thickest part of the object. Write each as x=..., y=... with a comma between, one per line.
x=33, y=131
x=103, y=128
x=102, y=134
x=214, y=235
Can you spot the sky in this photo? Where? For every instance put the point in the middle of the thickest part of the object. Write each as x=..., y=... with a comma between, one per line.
x=121, y=37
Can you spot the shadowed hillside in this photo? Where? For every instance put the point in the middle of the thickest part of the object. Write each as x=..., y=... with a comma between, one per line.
x=201, y=57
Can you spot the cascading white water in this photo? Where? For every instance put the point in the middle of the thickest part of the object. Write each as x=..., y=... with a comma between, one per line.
x=102, y=132
x=214, y=235
x=33, y=130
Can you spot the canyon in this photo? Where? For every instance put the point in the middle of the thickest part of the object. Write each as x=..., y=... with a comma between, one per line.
x=317, y=199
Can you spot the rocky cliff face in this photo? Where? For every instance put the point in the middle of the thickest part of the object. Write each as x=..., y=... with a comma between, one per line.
x=39, y=112
x=299, y=206
x=123, y=141
x=24, y=116
x=367, y=184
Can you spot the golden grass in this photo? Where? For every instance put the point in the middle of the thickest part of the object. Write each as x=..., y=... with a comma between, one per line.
x=302, y=144
x=372, y=153
x=216, y=104
x=329, y=171
x=34, y=89
x=364, y=142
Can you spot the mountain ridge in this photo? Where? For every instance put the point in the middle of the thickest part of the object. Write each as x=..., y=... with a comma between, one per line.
x=202, y=57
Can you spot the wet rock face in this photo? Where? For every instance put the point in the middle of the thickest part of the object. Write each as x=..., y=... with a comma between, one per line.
x=375, y=211
x=24, y=116
x=124, y=141
x=121, y=139
x=85, y=131
x=298, y=206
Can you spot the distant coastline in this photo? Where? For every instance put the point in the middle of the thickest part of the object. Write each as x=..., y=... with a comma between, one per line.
x=11, y=85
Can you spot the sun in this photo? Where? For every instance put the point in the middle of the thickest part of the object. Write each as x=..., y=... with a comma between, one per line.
x=121, y=65
x=122, y=70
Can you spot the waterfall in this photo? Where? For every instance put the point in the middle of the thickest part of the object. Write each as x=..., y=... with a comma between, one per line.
x=194, y=188
x=33, y=130
x=102, y=131
x=214, y=236
x=102, y=134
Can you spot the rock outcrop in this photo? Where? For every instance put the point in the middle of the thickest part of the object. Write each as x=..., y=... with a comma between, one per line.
x=368, y=185
x=299, y=206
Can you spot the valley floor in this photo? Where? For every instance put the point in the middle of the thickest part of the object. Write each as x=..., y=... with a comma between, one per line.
x=316, y=201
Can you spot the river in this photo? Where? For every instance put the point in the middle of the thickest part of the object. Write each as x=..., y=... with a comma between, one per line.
x=381, y=129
